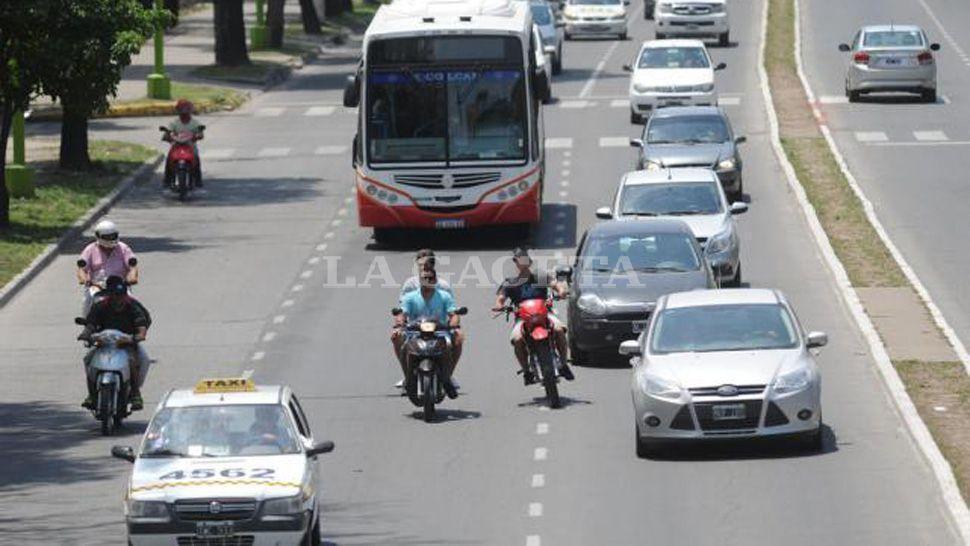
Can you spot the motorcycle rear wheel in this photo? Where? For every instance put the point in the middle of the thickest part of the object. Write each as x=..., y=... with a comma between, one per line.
x=544, y=356
x=183, y=185
x=105, y=411
x=428, y=391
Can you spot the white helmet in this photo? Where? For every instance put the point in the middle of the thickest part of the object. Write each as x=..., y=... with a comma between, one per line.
x=106, y=232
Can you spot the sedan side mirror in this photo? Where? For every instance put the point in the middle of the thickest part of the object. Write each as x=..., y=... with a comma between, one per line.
x=636, y=142
x=630, y=347
x=125, y=453
x=720, y=66
x=564, y=272
x=934, y=47
x=739, y=207
x=816, y=339
x=319, y=449
x=627, y=68
x=844, y=48
x=604, y=213
x=740, y=140
x=80, y=321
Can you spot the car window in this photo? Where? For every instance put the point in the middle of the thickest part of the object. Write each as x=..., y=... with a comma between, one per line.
x=741, y=327
x=675, y=199
x=855, y=40
x=220, y=431
x=673, y=57
x=893, y=38
x=662, y=252
x=541, y=14
x=698, y=129
x=300, y=417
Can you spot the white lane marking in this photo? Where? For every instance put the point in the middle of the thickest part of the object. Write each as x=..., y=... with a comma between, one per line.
x=557, y=143
x=614, y=142
x=922, y=143
x=533, y=540
x=328, y=235
x=314, y=260
x=248, y=373
x=560, y=227
x=565, y=172
x=297, y=288
x=620, y=103
x=561, y=214
x=348, y=200
x=567, y=153
x=274, y=152
x=224, y=153
x=342, y=212
x=871, y=136
x=939, y=408
x=542, y=428
x=728, y=101
x=269, y=336
x=540, y=454
x=306, y=274
x=258, y=355
x=953, y=43
x=833, y=99
x=287, y=303
x=538, y=480
x=535, y=509
x=278, y=319
x=588, y=87
x=930, y=136
x=270, y=112
x=565, y=183
x=564, y=194
x=566, y=162
x=321, y=247
x=559, y=241
x=319, y=111
x=330, y=150
x=336, y=222
x=574, y=104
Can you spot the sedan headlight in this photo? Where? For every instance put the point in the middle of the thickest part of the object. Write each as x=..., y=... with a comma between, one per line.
x=591, y=304
x=792, y=381
x=618, y=17
x=659, y=387
x=569, y=17
x=717, y=8
x=703, y=88
x=720, y=242
x=726, y=165
x=153, y=510
x=652, y=166
x=286, y=506
x=666, y=8
x=637, y=88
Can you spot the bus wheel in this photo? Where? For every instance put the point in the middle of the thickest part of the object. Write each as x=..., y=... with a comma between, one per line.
x=522, y=232
x=383, y=236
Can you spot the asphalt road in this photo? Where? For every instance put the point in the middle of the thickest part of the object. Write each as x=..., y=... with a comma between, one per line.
x=243, y=278
x=910, y=158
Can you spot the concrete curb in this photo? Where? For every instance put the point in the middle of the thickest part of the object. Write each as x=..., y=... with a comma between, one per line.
x=920, y=434
x=77, y=228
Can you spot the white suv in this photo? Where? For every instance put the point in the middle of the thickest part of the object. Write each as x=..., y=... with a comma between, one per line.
x=671, y=73
x=692, y=18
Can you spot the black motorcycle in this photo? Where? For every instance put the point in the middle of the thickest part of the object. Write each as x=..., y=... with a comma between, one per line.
x=425, y=344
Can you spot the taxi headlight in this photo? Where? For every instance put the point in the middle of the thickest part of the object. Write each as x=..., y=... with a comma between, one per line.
x=726, y=165
x=703, y=88
x=154, y=510
x=792, y=381
x=286, y=506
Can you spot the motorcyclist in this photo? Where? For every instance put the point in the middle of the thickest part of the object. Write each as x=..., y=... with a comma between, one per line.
x=106, y=256
x=114, y=309
x=526, y=285
x=186, y=123
x=423, y=260
x=431, y=301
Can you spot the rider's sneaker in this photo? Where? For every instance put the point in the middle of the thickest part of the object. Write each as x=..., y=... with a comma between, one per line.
x=528, y=377
x=88, y=403
x=136, y=402
x=451, y=389
x=565, y=372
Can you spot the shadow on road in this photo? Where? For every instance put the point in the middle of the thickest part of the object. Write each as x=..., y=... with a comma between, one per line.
x=747, y=449
x=444, y=415
x=229, y=192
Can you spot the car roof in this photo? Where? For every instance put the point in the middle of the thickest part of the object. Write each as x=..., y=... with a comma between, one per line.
x=888, y=28
x=681, y=42
x=668, y=176
x=639, y=226
x=718, y=296
x=678, y=111
x=263, y=394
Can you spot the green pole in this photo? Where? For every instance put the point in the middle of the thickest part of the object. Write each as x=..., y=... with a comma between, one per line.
x=19, y=177
x=259, y=34
x=159, y=86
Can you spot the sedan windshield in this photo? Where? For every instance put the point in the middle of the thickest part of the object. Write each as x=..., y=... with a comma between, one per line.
x=744, y=327
x=677, y=199
x=690, y=129
x=673, y=57
x=663, y=252
x=220, y=431
x=893, y=38
x=541, y=14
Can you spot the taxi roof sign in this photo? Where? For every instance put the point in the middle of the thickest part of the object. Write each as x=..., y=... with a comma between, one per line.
x=225, y=384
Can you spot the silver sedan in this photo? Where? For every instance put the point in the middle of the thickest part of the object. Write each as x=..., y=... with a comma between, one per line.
x=890, y=58
x=725, y=364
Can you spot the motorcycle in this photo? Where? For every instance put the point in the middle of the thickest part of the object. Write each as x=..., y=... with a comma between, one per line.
x=182, y=172
x=110, y=371
x=544, y=358
x=425, y=343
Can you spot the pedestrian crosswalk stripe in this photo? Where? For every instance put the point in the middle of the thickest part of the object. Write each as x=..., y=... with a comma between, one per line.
x=930, y=136
x=319, y=111
x=274, y=152
x=224, y=153
x=620, y=103
x=614, y=142
x=871, y=136
x=330, y=150
x=553, y=143
x=269, y=112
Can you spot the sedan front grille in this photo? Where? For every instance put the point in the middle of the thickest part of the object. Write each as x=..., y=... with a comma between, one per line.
x=774, y=417
x=216, y=509
x=705, y=416
x=742, y=389
x=241, y=540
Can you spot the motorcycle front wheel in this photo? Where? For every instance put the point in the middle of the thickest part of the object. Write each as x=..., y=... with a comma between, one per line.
x=105, y=409
x=428, y=391
x=544, y=356
x=183, y=184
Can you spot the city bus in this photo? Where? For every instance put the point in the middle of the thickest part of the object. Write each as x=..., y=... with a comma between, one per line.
x=449, y=128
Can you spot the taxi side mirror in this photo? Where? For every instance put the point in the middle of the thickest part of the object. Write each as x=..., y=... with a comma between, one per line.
x=319, y=449
x=125, y=453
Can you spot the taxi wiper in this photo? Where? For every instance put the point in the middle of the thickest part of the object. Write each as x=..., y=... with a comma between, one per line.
x=163, y=453
x=640, y=214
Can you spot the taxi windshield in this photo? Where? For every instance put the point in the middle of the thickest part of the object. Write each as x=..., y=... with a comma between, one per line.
x=220, y=431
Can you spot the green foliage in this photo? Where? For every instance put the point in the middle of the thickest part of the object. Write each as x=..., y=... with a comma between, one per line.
x=22, y=46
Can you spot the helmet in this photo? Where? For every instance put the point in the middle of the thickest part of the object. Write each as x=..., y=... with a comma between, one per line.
x=184, y=106
x=106, y=232
x=116, y=285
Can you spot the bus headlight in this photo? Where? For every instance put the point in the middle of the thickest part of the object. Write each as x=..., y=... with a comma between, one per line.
x=382, y=195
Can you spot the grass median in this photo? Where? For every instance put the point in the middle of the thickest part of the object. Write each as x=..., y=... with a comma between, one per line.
x=61, y=198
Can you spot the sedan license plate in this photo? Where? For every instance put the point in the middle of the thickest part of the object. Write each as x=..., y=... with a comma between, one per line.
x=639, y=326
x=727, y=412
x=450, y=223
x=209, y=529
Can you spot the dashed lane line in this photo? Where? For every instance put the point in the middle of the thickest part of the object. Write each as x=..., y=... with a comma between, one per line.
x=930, y=136
x=535, y=509
x=614, y=142
x=223, y=153
x=287, y=303
x=319, y=111
x=269, y=336
x=331, y=150
x=574, y=104
x=559, y=143
x=588, y=87
x=538, y=481
x=269, y=112
x=542, y=428
x=540, y=454
x=258, y=355
x=871, y=136
x=274, y=152
x=279, y=319
x=533, y=540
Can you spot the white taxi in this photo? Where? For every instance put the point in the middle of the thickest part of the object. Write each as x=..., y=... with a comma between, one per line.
x=671, y=73
x=227, y=462
x=595, y=17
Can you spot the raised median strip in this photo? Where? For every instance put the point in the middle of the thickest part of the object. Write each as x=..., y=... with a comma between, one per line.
x=923, y=364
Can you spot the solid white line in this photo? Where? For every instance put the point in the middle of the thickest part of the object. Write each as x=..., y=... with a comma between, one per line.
x=563, y=142
x=614, y=142
x=588, y=87
x=930, y=136
x=921, y=434
x=871, y=136
x=224, y=153
x=953, y=43
x=278, y=319
x=535, y=509
x=533, y=540
x=274, y=152
x=538, y=480
x=269, y=336
x=540, y=454
x=270, y=112
x=258, y=355
x=319, y=111
x=542, y=428
x=330, y=150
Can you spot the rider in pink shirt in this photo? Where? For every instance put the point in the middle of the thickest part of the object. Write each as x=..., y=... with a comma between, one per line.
x=105, y=257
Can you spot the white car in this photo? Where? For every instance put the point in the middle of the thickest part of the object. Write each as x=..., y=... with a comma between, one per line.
x=692, y=18
x=671, y=73
x=893, y=58
x=227, y=462
x=695, y=196
x=595, y=17
x=717, y=364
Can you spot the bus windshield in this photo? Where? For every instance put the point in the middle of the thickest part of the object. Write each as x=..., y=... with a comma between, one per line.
x=446, y=99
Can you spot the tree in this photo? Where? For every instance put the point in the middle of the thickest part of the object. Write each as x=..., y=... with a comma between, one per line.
x=230, y=31
x=93, y=41
x=274, y=21
x=308, y=14
x=331, y=8
x=23, y=38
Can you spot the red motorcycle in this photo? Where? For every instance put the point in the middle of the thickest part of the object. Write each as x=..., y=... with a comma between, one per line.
x=182, y=170
x=544, y=358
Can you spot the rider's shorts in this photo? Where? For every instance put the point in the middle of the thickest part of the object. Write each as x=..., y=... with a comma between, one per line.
x=516, y=334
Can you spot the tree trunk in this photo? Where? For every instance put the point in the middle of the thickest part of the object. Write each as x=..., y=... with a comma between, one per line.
x=348, y=6
x=74, y=141
x=308, y=13
x=274, y=20
x=230, y=30
x=332, y=8
x=6, y=119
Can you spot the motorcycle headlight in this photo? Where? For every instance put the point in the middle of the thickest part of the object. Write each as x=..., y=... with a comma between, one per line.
x=591, y=304
x=704, y=88
x=726, y=165
x=286, y=506
x=153, y=510
x=792, y=381
x=719, y=242
x=659, y=387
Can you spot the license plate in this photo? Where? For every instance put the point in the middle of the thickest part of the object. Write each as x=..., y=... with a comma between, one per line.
x=639, y=326
x=450, y=223
x=727, y=412
x=692, y=27
x=208, y=529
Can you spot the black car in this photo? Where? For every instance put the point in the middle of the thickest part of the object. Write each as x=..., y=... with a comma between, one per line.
x=693, y=136
x=621, y=268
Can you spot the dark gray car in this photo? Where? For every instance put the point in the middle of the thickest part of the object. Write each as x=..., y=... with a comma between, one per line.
x=550, y=29
x=621, y=268
x=693, y=136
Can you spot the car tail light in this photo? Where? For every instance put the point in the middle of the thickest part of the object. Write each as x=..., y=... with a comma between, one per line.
x=925, y=58
x=861, y=57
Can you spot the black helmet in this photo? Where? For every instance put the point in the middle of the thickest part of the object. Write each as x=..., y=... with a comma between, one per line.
x=116, y=285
